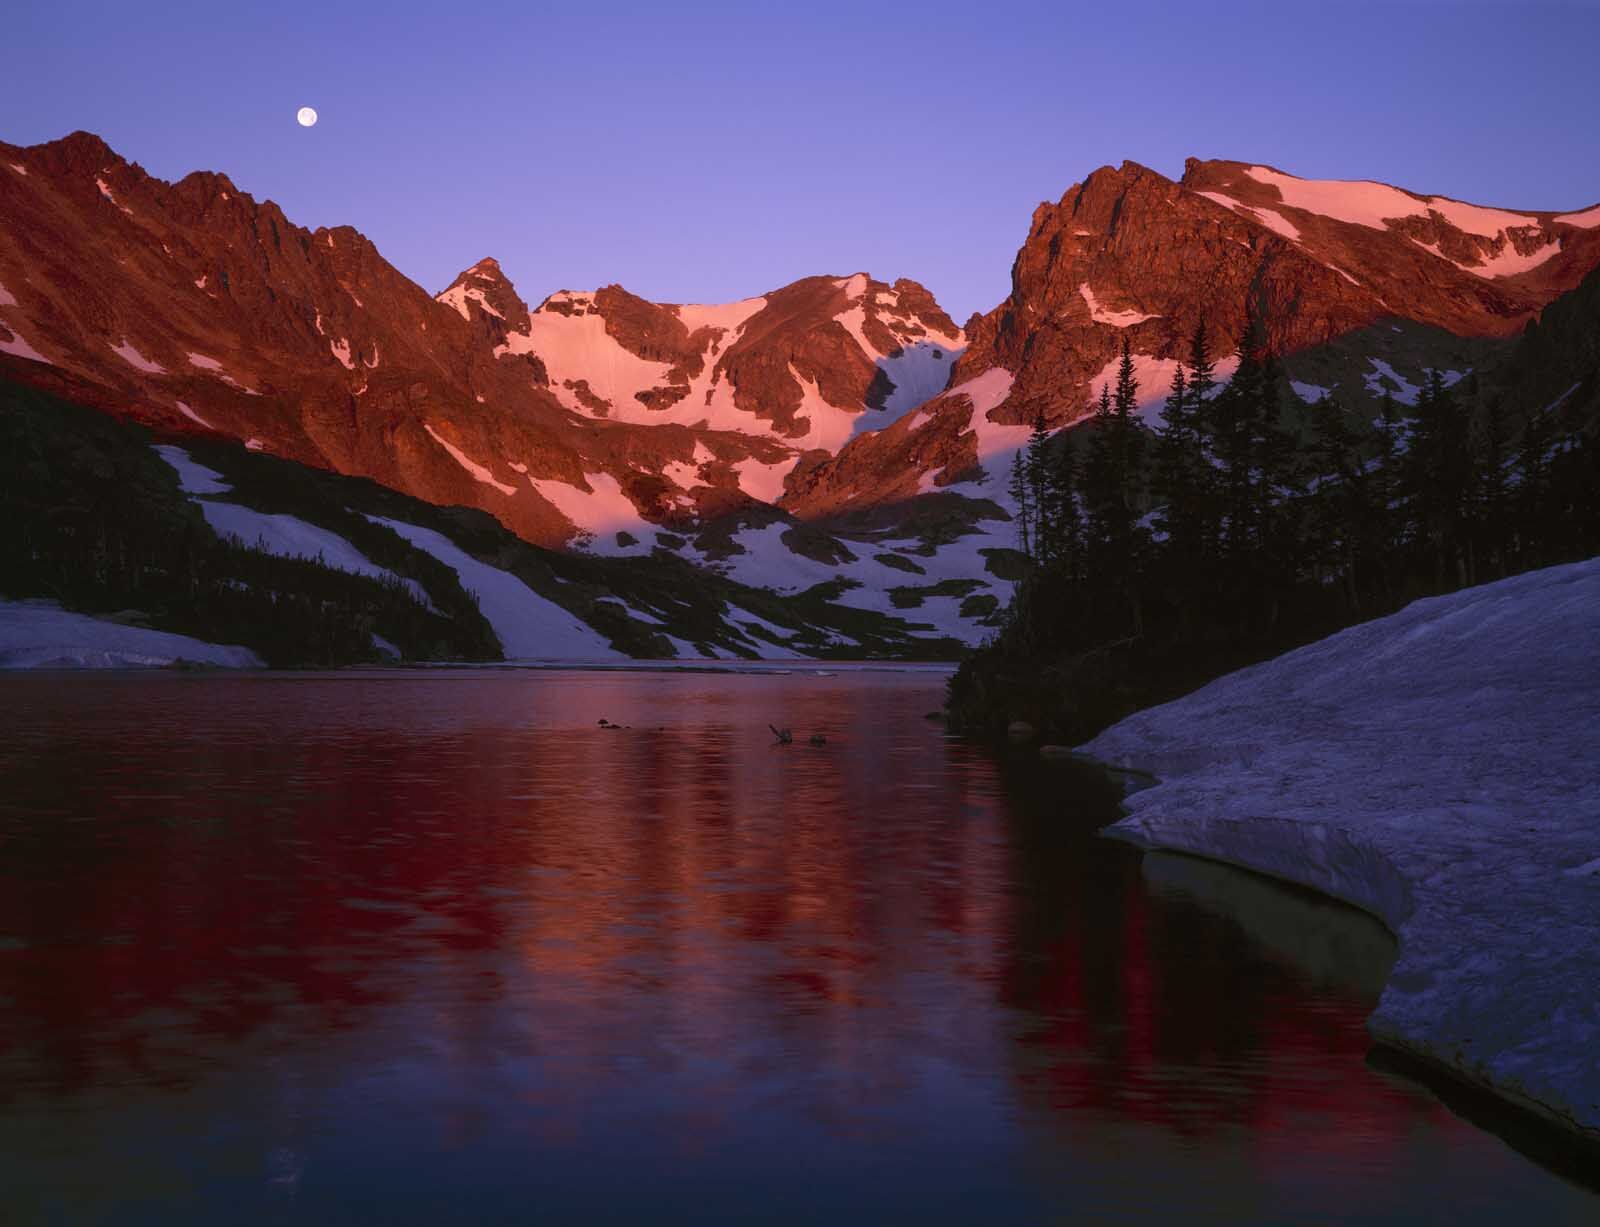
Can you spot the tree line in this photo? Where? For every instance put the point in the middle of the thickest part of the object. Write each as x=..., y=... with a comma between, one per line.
x=95, y=521
x=1235, y=528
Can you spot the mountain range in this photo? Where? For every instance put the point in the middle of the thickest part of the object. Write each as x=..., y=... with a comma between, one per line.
x=839, y=437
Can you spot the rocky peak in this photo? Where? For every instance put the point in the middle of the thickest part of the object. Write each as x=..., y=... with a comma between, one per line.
x=77, y=151
x=483, y=293
x=1129, y=252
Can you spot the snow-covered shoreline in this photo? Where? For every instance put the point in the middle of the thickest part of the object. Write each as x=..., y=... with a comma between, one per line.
x=41, y=635
x=1438, y=768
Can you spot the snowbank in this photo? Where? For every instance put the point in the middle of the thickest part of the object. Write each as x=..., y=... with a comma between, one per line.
x=42, y=635
x=274, y=533
x=529, y=626
x=1436, y=767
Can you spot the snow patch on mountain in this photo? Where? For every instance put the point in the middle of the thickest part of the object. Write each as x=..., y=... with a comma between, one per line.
x=193, y=477
x=728, y=316
x=458, y=295
x=1270, y=218
x=829, y=425
x=1511, y=262
x=529, y=626
x=213, y=367
x=1588, y=219
x=18, y=346
x=602, y=511
x=919, y=372
x=762, y=479
x=1436, y=767
x=1364, y=203
x=129, y=354
x=763, y=559
x=1360, y=202
x=577, y=347
x=192, y=415
x=1117, y=319
x=1384, y=378
x=997, y=442
x=288, y=537
x=478, y=472
x=283, y=535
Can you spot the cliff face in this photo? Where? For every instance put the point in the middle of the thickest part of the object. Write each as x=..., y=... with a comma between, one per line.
x=193, y=307
x=1130, y=254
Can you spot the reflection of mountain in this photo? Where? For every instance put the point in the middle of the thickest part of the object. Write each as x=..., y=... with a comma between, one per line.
x=393, y=937
x=1145, y=1009
x=1330, y=942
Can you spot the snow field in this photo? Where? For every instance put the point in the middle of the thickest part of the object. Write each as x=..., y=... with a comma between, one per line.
x=1437, y=768
x=42, y=635
x=529, y=626
x=283, y=535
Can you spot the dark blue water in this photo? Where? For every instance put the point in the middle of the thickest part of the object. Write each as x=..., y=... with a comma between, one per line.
x=437, y=948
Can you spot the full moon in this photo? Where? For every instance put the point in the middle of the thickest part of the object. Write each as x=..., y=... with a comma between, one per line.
x=306, y=116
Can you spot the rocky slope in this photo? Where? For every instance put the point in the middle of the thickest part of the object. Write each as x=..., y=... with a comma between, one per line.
x=193, y=306
x=801, y=438
x=1332, y=269
x=200, y=537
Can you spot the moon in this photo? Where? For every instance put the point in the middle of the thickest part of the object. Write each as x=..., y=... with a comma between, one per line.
x=306, y=116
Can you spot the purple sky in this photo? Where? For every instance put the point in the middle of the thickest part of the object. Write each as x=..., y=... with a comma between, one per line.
x=709, y=151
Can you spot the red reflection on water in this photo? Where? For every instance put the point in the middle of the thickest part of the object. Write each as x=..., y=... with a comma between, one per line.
x=460, y=891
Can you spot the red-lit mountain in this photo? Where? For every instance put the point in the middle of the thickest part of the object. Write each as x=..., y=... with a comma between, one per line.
x=1131, y=253
x=191, y=306
x=798, y=438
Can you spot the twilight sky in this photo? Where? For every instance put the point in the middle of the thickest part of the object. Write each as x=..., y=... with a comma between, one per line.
x=705, y=151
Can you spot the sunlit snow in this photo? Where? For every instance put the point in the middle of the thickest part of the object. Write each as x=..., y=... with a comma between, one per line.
x=1588, y=219
x=191, y=414
x=1104, y=315
x=129, y=354
x=18, y=347
x=603, y=510
x=478, y=472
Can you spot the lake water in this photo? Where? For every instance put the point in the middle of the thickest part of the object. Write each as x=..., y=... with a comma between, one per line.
x=436, y=947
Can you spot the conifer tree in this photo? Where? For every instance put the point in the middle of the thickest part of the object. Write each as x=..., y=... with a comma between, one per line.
x=1037, y=468
x=1100, y=492
x=1437, y=481
x=1492, y=509
x=1066, y=519
x=1021, y=490
x=1233, y=415
x=1177, y=460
